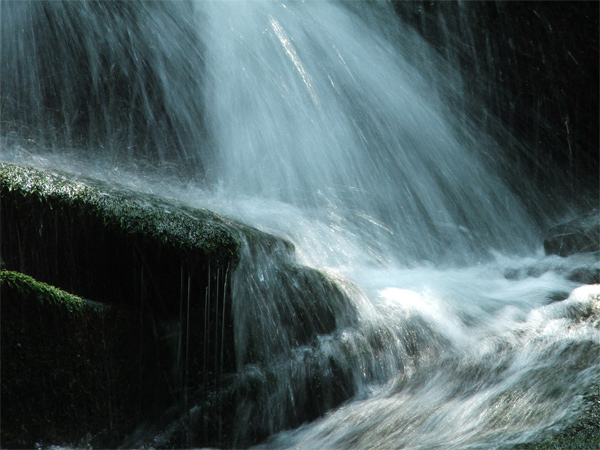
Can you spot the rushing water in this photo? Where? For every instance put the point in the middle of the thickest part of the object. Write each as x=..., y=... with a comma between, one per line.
x=334, y=126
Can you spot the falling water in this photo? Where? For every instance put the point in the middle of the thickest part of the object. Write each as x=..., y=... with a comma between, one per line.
x=334, y=122
x=406, y=298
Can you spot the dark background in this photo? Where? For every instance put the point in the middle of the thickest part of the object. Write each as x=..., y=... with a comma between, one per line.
x=534, y=64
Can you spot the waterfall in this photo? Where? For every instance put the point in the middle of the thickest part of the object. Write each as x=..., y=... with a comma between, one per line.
x=335, y=126
x=323, y=107
x=313, y=107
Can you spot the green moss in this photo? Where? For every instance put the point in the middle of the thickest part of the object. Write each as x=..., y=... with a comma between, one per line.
x=137, y=213
x=15, y=283
x=69, y=369
x=73, y=367
x=110, y=244
x=75, y=370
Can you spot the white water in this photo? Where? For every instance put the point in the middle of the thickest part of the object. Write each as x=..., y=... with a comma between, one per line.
x=439, y=358
x=331, y=125
x=311, y=105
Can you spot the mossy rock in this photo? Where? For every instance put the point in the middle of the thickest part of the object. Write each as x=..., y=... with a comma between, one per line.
x=155, y=269
x=108, y=244
x=159, y=269
x=159, y=331
x=75, y=371
x=124, y=248
x=124, y=210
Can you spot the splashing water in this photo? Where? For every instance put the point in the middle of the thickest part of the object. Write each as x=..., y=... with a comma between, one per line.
x=309, y=106
x=333, y=126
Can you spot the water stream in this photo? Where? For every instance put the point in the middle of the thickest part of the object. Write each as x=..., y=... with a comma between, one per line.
x=335, y=126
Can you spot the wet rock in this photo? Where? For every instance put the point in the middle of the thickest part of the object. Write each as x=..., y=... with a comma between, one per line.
x=586, y=275
x=582, y=268
x=155, y=268
x=583, y=434
x=580, y=235
x=150, y=358
x=74, y=371
x=121, y=247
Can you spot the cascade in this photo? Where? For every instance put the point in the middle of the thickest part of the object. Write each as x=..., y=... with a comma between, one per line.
x=405, y=315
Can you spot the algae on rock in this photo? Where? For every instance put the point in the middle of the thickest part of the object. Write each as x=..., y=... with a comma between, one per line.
x=120, y=247
x=73, y=369
x=164, y=270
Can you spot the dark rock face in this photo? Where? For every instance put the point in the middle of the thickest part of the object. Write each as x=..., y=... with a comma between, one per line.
x=108, y=245
x=163, y=270
x=76, y=371
x=120, y=248
x=576, y=236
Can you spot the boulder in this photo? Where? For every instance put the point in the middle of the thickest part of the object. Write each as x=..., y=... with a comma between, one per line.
x=77, y=372
x=160, y=321
x=150, y=358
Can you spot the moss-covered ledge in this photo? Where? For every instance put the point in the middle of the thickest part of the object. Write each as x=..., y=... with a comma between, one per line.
x=120, y=247
x=162, y=337
x=154, y=264
x=125, y=210
x=77, y=372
